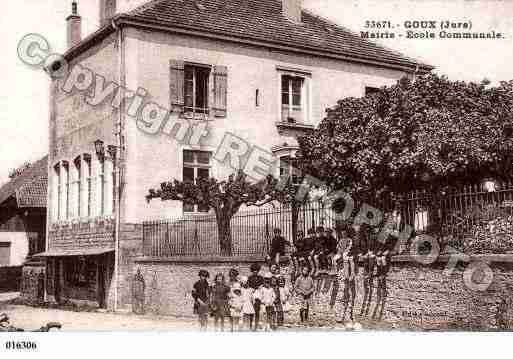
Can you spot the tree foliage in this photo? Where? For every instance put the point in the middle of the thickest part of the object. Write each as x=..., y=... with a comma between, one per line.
x=430, y=133
x=225, y=197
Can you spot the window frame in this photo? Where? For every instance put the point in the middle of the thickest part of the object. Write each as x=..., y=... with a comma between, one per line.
x=102, y=183
x=296, y=177
x=78, y=183
x=89, y=184
x=370, y=90
x=66, y=167
x=194, y=111
x=57, y=173
x=196, y=165
x=305, y=106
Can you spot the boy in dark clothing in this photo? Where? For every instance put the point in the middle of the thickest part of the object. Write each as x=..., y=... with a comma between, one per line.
x=330, y=246
x=278, y=306
x=368, y=262
x=201, y=295
x=383, y=259
x=220, y=296
x=255, y=281
x=318, y=251
x=277, y=250
x=309, y=247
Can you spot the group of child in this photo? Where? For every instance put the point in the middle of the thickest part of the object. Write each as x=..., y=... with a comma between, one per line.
x=318, y=249
x=244, y=299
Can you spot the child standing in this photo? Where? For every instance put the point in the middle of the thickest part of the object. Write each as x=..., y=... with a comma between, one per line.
x=284, y=297
x=220, y=296
x=255, y=281
x=236, y=304
x=268, y=296
x=248, y=309
x=278, y=305
x=304, y=287
x=201, y=295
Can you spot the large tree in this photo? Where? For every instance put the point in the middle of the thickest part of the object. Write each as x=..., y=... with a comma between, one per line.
x=428, y=134
x=225, y=197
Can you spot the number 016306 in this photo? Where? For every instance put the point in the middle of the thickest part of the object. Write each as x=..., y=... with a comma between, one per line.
x=20, y=345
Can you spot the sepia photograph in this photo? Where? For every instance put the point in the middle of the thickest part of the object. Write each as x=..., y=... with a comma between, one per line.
x=242, y=169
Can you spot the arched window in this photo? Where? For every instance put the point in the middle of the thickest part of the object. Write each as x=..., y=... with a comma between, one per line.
x=88, y=184
x=57, y=192
x=66, y=188
x=101, y=179
x=78, y=186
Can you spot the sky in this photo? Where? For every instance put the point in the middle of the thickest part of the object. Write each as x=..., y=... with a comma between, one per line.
x=24, y=101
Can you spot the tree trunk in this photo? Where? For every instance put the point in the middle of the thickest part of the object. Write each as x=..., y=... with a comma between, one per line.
x=225, y=234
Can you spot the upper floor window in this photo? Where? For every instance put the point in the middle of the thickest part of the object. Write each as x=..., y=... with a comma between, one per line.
x=196, y=89
x=88, y=184
x=78, y=185
x=66, y=188
x=196, y=165
x=57, y=172
x=101, y=179
x=295, y=96
x=370, y=91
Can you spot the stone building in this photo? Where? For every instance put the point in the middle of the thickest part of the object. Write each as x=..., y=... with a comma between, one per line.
x=262, y=70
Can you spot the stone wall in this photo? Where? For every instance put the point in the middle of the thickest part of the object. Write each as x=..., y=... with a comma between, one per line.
x=419, y=296
x=32, y=283
x=130, y=248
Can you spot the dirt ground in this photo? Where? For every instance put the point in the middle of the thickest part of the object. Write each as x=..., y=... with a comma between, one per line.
x=31, y=318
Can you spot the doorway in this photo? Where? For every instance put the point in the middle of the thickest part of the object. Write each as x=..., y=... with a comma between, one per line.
x=57, y=280
x=101, y=283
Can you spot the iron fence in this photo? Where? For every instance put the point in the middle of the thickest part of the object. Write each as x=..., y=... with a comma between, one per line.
x=460, y=214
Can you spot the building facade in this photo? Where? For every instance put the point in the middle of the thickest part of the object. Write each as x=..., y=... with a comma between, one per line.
x=263, y=71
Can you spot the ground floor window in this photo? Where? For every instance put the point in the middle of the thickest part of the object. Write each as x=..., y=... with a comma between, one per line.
x=196, y=165
x=5, y=253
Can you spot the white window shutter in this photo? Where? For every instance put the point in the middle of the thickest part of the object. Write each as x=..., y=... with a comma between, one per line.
x=176, y=84
x=220, y=91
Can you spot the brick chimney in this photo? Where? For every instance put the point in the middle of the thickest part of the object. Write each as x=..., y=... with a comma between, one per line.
x=107, y=11
x=74, y=26
x=291, y=9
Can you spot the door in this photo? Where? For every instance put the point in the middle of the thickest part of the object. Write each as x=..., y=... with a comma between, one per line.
x=57, y=280
x=101, y=282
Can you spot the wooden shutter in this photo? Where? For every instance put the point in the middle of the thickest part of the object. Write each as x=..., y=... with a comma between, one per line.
x=220, y=90
x=176, y=84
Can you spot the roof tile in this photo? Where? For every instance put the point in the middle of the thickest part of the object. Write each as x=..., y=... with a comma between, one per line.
x=262, y=20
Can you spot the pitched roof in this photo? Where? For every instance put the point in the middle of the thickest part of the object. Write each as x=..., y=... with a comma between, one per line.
x=262, y=20
x=30, y=187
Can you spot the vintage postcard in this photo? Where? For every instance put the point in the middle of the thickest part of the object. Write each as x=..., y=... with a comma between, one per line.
x=276, y=166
